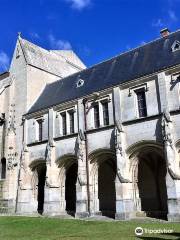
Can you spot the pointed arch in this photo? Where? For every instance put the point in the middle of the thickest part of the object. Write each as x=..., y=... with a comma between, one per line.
x=148, y=172
x=68, y=166
x=102, y=182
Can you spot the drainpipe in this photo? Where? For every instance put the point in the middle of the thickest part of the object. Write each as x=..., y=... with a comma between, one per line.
x=86, y=146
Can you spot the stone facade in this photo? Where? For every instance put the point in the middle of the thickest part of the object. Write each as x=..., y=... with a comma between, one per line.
x=59, y=162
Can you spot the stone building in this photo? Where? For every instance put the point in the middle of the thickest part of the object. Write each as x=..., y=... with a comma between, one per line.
x=103, y=140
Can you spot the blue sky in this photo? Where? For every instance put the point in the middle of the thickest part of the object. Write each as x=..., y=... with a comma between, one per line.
x=95, y=29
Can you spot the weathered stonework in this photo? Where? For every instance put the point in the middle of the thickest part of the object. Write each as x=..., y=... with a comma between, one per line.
x=61, y=160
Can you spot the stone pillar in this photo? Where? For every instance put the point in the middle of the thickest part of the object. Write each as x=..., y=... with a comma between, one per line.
x=81, y=185
x=162, y=92
x=170, y=153
x=62, y=191
x=124, y=202
x=26, y=202
x=52, y=185
x=172, y=181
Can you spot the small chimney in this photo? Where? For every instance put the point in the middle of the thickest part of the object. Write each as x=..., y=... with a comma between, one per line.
x=165, y=32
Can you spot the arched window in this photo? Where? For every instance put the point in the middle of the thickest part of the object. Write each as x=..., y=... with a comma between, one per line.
x=3, y=168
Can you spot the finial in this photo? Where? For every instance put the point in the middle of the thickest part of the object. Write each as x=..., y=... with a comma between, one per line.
x=19, y=34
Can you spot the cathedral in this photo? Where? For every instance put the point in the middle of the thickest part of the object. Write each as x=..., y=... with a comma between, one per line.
x=97, y=141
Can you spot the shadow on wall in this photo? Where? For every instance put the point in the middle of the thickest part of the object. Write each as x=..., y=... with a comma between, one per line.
x=152, y=184
x=158, y=131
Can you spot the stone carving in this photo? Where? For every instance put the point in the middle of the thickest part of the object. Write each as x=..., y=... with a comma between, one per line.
x=81, y=156
x=12, y=161
x=81, y=179
x=51, y=142
x=11, y=127
x=48, y=152
x=118, y=144
x=166, y=129
x=120, y=154
x=81, y=145
x=170, y=151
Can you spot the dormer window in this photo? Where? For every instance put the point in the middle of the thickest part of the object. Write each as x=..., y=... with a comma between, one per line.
x=80, y=83
x=175, y=46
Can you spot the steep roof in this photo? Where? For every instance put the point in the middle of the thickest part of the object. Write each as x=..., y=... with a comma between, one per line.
x=70, y=57
x=144, y=60
x=59, y=64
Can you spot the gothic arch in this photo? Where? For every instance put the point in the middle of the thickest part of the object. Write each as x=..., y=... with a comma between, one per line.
x=36, y=162
x=68, y=169
x=136, y=147
x=148, y=171
x=38, y=180
x=102, y=163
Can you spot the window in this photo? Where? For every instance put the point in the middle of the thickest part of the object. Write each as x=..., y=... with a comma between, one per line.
x=105, y=113
x=80, y=83
x=40, y=129
x=141, y=101
x=96, y=116
x=175, y=46
x=64, y=126
x=3, y=168
x=71, y=121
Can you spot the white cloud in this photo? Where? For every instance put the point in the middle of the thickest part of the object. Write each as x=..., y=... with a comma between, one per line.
x=158, y=23
x=142, y=43
x=79, y=4
x=128, y=47
x=35, y=35
x=59, y=44
x=172, y=15
x=4, y=61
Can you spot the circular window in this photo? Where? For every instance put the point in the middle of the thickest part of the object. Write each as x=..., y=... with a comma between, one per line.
x=80, y=83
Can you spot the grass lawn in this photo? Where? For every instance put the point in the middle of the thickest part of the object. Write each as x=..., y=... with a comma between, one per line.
x=40, y=228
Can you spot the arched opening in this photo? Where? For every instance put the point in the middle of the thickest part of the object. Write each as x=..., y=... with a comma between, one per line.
x=152, y=184
x=3, y=168
x=70, y=188
x=41, y=171
x=106, y=188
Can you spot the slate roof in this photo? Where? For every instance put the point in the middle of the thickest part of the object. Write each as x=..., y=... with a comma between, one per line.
x=56, y=62
x=144, y=60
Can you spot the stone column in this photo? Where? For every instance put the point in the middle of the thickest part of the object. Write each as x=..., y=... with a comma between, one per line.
x=62, y=191
x=81, y=185
x=124, y=202
x=26, y=203
x=173, y=171
x=170, y=152
x=52, y=185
